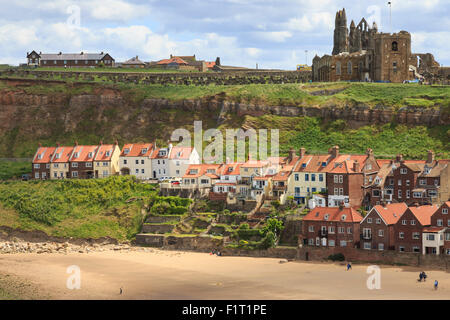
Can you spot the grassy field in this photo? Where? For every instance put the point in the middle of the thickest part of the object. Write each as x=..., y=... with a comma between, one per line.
x=14, y=169
x=76, y=208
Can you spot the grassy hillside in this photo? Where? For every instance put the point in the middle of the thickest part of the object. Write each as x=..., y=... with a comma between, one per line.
x=76, y=208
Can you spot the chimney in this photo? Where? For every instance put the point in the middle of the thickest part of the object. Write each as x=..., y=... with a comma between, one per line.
x=60, y=53
x=101, y=52
x=57, y=144
x=116, y=143
x=40, y=145
x=154, y=144
x=171, y=56
x=383, y=203
x=302, y=152
x=40, y=52
x=341, y=206
x=76, y=143
x=218, y=61
x=291, y=154
x=335, y=152
x=430, y=156
x=101, y=142
x=399, y=158
x=82, y=53
x=356, y=166
x=369, y=152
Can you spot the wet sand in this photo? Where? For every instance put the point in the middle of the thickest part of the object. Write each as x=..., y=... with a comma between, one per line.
x=175, y=275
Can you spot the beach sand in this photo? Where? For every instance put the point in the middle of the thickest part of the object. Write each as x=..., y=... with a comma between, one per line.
x=173, y=275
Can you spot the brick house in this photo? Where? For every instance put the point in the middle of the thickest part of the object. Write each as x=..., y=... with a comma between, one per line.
x=69, y=59
x=377, y=227
x=82, y=162
x=441, y=219
x=59, y=167
x=331, y=227
x=345, y=179
x=409, y=228
x=41, y=163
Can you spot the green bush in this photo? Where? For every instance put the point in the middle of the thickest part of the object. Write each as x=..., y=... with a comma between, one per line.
x=336, y=257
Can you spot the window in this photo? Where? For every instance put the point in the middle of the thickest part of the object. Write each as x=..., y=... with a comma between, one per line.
x=407, y=183
x=401, y=249
x=430, y=237
x=88, y=164
x=341, y=191
x=341, y=230
x=137, y=161
x=408, y=194
x=142, y=161
x=142, y=170
x=47, y=165
x=331, y=243
x=336, y=191
x=343, y=243
x=36, y=175
x=326, y=216
x=317, y=241
x=399, y=182
x=349, y=230
x=311, y=242
x=341, y=179
x=313, y=177
x=369, y=220
x=367, y=245
x=417, y=249
x=306, y=177
x=381, y=233
x=376, y=193
x=403, y=171
x=37, y=165
x=74, y=164
x=378, y=220
x=417, y=194
x=444, y=211
x=338, y=68
x=394, y=66
x=296, y=177
x=401, y=235
x=320, y=177
x=404, y=222
x=413, y=222
x=124, y=161
x=336, y=178
x=74, y=174
x=349, y=67
x=416, y=235
x=399, y=193
x=137, y=171
x=448, y=251
x=381, y=246
x=423, y=182
x=394, y=46
x=204, y=181
x=310, y=228
x=331, y=229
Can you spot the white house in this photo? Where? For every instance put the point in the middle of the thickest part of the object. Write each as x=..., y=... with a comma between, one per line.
x=179, y=160
x=135, y=160
x=160, y=162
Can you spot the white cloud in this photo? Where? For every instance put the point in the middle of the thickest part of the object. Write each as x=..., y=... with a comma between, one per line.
x=273, y=36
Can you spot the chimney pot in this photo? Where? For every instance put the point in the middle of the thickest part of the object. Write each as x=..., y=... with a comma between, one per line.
x=302, y=152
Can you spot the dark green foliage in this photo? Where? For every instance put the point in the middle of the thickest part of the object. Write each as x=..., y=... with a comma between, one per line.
x=169, y=205
x=336, y=257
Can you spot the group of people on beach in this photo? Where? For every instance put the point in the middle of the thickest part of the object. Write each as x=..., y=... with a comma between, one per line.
x=423, y=277
x=216, y=252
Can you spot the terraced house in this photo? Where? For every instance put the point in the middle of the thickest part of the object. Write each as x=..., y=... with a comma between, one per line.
x=82, y=162
x=135, y=159
x=59, y=167
x=106, y=160
x=41, y=163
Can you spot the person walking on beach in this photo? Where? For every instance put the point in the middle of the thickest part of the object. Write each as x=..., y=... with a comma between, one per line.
x=435, y=284
x=349, y=266
x=121, y=291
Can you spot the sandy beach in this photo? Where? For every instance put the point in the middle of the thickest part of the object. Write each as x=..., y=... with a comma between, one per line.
x=158, y=274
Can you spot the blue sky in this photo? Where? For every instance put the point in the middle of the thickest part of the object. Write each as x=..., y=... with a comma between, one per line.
x=274, y=34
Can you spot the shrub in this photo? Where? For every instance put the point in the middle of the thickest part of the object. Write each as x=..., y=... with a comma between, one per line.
x=336, y=257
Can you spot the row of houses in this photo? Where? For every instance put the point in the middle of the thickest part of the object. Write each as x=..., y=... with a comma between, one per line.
x=144, y=160
x=419, y=229
x=330, y=180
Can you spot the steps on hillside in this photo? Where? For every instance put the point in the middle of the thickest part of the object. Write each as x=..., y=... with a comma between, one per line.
x=156, y=228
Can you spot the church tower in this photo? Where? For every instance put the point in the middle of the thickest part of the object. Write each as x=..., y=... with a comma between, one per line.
x=340, y=33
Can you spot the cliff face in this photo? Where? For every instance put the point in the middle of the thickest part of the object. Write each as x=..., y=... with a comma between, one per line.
x=108, y=114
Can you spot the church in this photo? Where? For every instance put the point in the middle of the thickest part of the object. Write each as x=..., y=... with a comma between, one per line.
x=365, y=54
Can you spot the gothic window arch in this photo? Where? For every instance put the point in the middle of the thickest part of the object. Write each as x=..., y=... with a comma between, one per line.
x=338, y=68
x=349, y=67
x=394, y=46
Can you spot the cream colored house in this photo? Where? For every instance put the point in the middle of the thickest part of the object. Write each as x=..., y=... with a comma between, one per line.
x=200, y=176
x=59, y=163
x=308, y=177
x=135, y=159
x=106, y=160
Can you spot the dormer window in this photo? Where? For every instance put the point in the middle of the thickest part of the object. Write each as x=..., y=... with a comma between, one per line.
x=324, y=164
x=343, y=217
x=303, y=165
x=126, y=151
x=143, y=151
x=427, y=170
x=58, y=155
x=326, y=216
x=76, y=155
x=193, y=171
x=40, y=156
x=230, y=169
x=108, y=153
x=90, y=155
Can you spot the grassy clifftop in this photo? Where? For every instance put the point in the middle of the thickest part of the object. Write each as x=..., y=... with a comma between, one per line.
x=76, y=208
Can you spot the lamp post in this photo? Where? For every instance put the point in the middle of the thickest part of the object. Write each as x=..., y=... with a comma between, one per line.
x=306, y=57
x=390, y=15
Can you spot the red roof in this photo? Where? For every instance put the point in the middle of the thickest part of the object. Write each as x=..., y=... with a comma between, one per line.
x=424, y=213
x=334, y=214
x=180, y=153
x=83, y=153
x=202, y=169
x=105, y=152
x=176, y=60
x=62, y=154
x=390, y=213
x=433, y=229
x=344, y=163
x=234, y=167
x=210, y=64
x=43, y=154
x=135, y=150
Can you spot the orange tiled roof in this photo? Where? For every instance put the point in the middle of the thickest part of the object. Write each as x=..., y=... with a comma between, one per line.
x=334, y=214
x=172, y=60
x=235, y=166
x=43, y=154
x=202, y=169
x=135, y=150
x=104, y=152
x=62, y=154
x=391, y=213
x=424, y=213
x=85, y=153
x=180, y=153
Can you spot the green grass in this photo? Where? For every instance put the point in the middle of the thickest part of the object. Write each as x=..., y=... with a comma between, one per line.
x=14, y=169
x=113, y=70
x=75, y=208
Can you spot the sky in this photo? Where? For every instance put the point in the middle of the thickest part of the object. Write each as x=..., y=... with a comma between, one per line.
x=272, y=34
